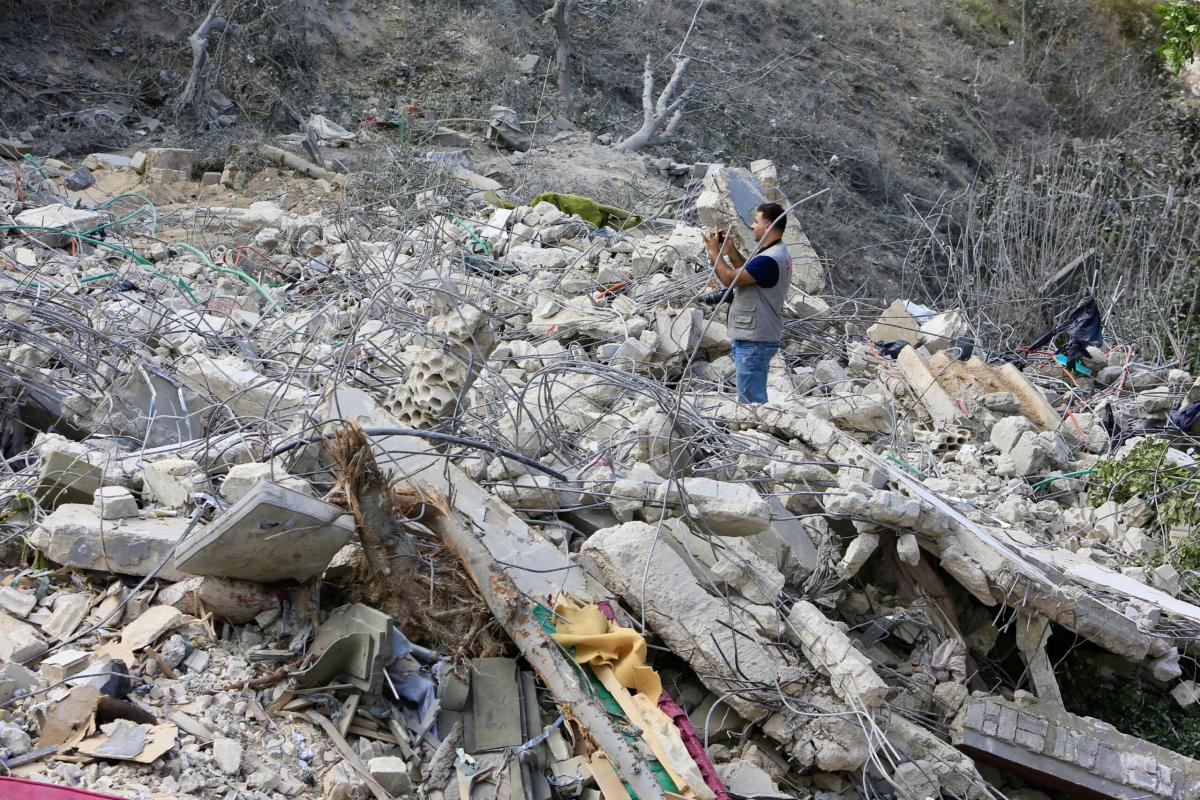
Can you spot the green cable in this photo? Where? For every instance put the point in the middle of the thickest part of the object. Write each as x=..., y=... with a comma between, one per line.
x=79, y=236
x=1053, y=478
x=38, y=165
x=901, y=462
x=149, y=206
x=180, y=282
x=486, y=248
x=229, y=271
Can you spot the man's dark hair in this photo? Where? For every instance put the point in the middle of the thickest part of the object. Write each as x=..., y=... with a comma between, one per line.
x=773, y=212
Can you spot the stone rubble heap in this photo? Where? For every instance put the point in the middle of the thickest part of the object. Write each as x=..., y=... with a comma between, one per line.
x=202, y=595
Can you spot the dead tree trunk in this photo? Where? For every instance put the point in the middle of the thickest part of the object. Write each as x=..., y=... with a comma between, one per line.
x=660, y=118
x=199, y=42
x=561, y=13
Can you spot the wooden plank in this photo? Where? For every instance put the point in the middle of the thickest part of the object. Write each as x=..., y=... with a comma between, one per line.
x=606, y=777
x=348, y=754
x=349, y=709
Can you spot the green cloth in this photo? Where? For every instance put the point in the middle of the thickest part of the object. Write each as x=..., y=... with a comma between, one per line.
x=596, y=213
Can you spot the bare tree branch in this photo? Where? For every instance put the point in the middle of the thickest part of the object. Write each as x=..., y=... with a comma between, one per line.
x=561, y=13
x=199, y=42
x=660, y=118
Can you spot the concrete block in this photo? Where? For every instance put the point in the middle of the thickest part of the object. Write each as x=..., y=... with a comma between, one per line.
x=210, y=179
x=241, y=478
x=908, y=550
x=1001, y=402
x=235, y=602
x=1165, y=577
x=170, y=482
x=170, y=158
x=1166, y=668
x=227, y=754
x=110, y=161
x=678, y=331
x=1033, y=403
x=810, y=308
x=1007, y=431
x=163, y=176
x=69, y=612
x=67, y=478
x=940, y=331
x=831, y=651
x=248, y=392
x=138, y=162
x=63, y=664
x=857, y=553
x=17, y=602
x=728, y=509
x=74, y=535
x=1186, y=693
x=16, y=679
x=917, y=780
x=114, y=502
x=746, y=779
x=1038, y=452
x=18, y=640
x=895, y=323
x=270, y=534
x=56, y=218
x=391, y=773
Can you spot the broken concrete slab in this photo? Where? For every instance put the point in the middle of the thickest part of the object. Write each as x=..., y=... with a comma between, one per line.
x=731, y=561
x=937, y=402
x=69, y=612
x=19, y=641
x=114, y=502
x=694, y=624
x=235, y=602
x=1047, y=743
x=726, y=509
x=895, y=323
x=17, y=602
x=270, y=534
x=15, y=679
x=832, y=652
x=55, y=224
x=64, y=477
x=241, y=478
x=74, y=535
x=248, y=392
x=170, y=482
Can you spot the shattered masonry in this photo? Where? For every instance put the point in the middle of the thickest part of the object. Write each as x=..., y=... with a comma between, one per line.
x=344, y=502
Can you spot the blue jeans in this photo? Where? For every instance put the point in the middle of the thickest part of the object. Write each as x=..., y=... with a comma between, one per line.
x=751, y=359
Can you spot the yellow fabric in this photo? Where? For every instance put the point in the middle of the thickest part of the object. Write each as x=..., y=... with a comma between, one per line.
x=601, y=643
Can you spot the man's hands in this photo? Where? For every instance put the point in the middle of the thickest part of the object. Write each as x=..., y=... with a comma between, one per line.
x=716, y=242
x=720, y=247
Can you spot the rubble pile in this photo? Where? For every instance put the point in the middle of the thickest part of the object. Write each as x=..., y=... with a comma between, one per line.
x=313, y=500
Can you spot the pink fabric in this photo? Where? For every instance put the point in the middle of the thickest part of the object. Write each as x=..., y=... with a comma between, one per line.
x=693, y=743
x=21, y=789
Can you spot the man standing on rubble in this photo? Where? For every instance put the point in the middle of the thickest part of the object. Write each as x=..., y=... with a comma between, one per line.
x=759, y=286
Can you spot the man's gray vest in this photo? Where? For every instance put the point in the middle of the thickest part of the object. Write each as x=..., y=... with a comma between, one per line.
x=757, y=313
